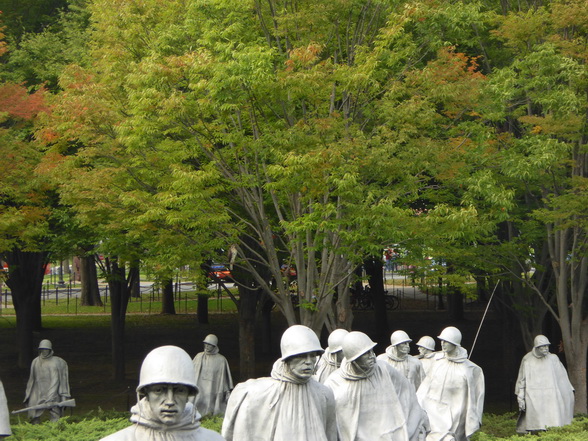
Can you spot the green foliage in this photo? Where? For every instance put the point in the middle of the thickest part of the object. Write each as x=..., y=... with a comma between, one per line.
x=41, y=56
x=503, y=427
x=90, y=428
x=62, y=430
x=28, y=15
x=93, y=427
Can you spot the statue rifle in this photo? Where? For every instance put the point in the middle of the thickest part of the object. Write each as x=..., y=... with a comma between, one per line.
x=49, y=405
x=482, y=321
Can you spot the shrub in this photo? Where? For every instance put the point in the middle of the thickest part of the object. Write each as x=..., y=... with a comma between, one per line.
x=96, y=426
x=503, y=428
x=92, y=428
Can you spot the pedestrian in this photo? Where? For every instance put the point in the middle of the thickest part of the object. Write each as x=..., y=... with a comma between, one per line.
x=543, y=389
x=452, y=393
x=374, y=401
x=213, y=378
x=48, y=383
x=398, y=356
x=289, y=405
x=165, y=407
x=331, y=359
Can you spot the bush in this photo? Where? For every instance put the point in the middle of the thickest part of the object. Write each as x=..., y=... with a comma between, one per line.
x=91, y=428
x=503, y=428
x=64, y=430
x=96, y=426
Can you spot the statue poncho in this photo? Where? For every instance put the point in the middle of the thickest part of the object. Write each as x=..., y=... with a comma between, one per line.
x=452, y=394
x=427, y=361
x=377, y=405
x=4, y=416
x=148, y=428
x=280, y=408
x=409, y=366
x=548, y=394
x=214, y=381
x=326, y=365
x=48, y=382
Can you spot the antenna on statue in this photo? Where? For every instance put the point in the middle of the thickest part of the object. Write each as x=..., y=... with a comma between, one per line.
x=482, y=321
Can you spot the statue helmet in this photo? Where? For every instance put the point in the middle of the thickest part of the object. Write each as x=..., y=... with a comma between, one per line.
x=299, y=339
x=355, y=344
x=45, y=344
x=211, y=339
x=540, y=340
x=398, y=337
x=167, y=364
x=336, y=340
x=427, y=342
x=452, y=335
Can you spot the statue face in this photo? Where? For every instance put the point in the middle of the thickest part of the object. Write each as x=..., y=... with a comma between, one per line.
x=339, y=356
x=423, y=351
x=366, y=361
x=543, y=350
x=167, y=401
x=403, y=348
x=302, y=365
x=448, y=348
x=208, y=347
x=44, y=352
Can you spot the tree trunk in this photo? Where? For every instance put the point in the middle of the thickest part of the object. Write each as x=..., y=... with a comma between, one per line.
x=134, y=274
x=247, y=314
x=119, y=300
x=266, y=325
x=202, y=312
x=90, y=293
x=167, y=298
x=576, y=364
x=455, y=304
x=571, y=280
x=373, y=268
x=26, y=271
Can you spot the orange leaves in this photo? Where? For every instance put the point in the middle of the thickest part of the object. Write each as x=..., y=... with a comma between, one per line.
x=453, y=81
x=18, y=103
x=303, y=56
x=451, y=66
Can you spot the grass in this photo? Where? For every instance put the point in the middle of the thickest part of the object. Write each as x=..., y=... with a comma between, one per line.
x=186, y=303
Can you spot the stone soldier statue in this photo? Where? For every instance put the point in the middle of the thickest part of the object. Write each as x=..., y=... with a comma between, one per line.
x=48, y=383
x=213, y=378
x=397, y=355
x=426, y=348
x=165, y=407
x=543, y=389
x=4, y=416
x=331, y=359
x=374, y=401
x=452, y=393
x=289, y=405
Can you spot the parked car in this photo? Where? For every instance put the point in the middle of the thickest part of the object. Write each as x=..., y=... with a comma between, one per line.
x=219, y=271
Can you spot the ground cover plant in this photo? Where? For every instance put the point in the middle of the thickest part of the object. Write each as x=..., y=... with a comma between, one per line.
x=91, y=428
x=99, y=424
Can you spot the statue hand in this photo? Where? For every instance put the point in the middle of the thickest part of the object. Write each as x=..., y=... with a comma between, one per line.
x=521, y=404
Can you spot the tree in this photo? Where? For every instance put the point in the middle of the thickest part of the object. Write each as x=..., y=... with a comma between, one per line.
x=283, y=132
x=28, y=15
x=540, y=99
x=25, y=211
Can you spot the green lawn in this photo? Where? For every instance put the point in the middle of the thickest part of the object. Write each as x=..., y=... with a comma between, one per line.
x=186, y=303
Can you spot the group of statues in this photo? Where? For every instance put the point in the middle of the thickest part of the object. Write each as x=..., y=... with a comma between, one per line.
x=341, y=393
